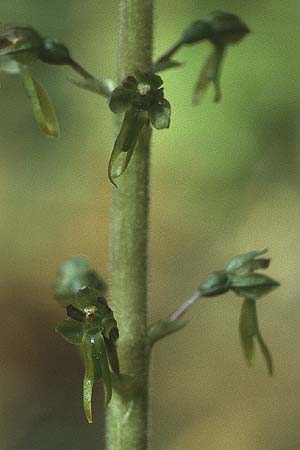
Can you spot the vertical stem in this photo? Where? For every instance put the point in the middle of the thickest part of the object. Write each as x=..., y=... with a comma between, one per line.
x=127, y=413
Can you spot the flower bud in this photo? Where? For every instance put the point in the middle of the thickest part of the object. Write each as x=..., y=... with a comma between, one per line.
x=219, y=27
x=225, y=28
x=54, y=52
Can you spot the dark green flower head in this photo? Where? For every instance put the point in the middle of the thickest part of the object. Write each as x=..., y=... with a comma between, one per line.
x=91, y=325
x=54, y=52
x=220, y=28
x=244, y=281
x=141, y=98
x=225, y=28
x=142, y=92
x=241, y=277
x=20, y=44
x=25, y=45
x=21, y=47
x=248, y=262
x=89, y=311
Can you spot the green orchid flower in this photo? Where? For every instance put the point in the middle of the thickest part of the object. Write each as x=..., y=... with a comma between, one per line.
x=141, y=98
x=240, y=276
x=91, y=325
x=220, y=29
x=20, y=48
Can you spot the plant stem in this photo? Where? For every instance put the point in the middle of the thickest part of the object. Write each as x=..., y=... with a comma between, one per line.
x=128, y=411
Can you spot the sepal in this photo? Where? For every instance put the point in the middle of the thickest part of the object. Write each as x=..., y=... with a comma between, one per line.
x=125, y=143
x=254, y=285
x=42, y=106
x=249, y=330
x=210, y=73
x=123, y=95
x=238, y=262
x=160, y=114
x=71, y=330
x=96, y=369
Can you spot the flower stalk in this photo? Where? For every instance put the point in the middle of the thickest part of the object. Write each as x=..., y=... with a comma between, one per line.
x=127, y=413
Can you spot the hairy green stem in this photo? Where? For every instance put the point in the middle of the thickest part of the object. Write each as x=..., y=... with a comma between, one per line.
x=127, y=413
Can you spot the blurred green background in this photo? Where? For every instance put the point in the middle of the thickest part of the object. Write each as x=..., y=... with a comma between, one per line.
x=225, y=180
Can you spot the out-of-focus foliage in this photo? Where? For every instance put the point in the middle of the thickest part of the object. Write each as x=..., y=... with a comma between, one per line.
x=225, y=180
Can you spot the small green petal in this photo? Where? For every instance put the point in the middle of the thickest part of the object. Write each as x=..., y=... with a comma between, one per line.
x=87, y=296
x=238, y=261
x=121, y=99
x=266, y=353
x=71, y=330
x=110, y=327
x=210, y=73
x=43, y=109
x=112, y=355
x=150, y=78
x=160, y=114
x=96, y=367
x=252, y=286
x=133, y=123
x=100, y=349
x=91, y=352
x=254, y=264
x=92, y=371
x=248, y=329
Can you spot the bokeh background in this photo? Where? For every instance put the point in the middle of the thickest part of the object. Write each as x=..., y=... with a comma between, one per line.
x=225, y=180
